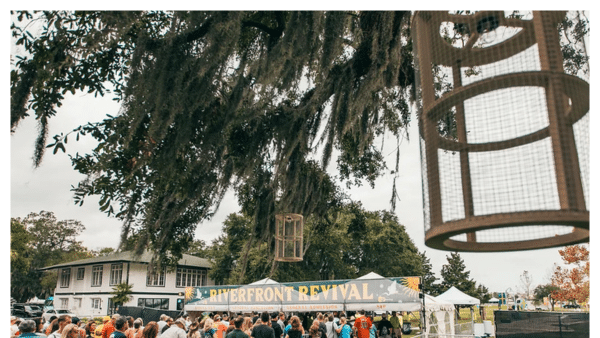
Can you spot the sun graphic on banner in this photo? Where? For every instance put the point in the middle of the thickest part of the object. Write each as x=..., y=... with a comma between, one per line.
x=411, y=284
x=189, y=292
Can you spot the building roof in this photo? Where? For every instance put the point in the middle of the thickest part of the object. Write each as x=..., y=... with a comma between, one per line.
x=129, y=256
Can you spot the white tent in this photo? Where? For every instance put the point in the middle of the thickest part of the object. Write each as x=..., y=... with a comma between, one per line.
x=433, y=304
x=494, y=300
x=457, y=297
x=264, y=281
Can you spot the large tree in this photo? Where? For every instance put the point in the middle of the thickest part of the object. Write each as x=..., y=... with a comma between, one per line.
x=429, y=279
x=49, y=241
x=215, y=100
x=211, y=100
x=455, y=273
x=351, y=243
x=573, y=282
x=547, y=290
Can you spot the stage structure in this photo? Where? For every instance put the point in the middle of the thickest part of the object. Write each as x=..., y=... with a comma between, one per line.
x=504, y=132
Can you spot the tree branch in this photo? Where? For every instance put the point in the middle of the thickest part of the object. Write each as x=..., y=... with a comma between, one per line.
x=263, y=27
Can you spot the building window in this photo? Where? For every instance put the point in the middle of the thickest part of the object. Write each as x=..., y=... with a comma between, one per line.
x=116, y=272
x=80, y=273
x=190, y=277
x=64, y=303
x=97, y=275
x=96, y=303
x=77, y=302
x=65, y=278
x=154, y=303
x=155, y=278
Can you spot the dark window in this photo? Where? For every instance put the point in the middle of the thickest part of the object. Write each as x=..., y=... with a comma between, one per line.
x=97, y=275
x=154, y=303
x=80, y=273
x=155, y=278
x=65, y=278
x=116, y=273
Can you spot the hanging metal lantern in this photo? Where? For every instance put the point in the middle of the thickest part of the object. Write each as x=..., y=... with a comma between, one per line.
x=288, y=237
x=504, y=133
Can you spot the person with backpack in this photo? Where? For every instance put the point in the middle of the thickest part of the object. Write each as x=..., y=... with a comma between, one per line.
x=344, y=330
x=331, y=327
x=385, y=327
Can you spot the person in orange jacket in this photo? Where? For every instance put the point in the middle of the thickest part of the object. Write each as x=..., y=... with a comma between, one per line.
x=98, y=331
x=110, y=326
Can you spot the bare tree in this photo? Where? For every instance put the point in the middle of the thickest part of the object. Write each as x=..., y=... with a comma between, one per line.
x=526, y=281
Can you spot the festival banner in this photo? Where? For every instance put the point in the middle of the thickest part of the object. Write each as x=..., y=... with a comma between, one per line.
x=333, y=295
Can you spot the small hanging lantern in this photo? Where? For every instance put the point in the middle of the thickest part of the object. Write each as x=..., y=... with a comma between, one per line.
x=288, y=237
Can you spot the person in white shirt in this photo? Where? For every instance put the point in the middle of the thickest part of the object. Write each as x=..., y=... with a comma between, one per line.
x=177, y=330
x=280, y=321
x=161, y=323
x=225, y=319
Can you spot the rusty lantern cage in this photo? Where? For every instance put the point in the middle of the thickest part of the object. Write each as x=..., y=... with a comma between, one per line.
x=504, y=132
x=288, y=237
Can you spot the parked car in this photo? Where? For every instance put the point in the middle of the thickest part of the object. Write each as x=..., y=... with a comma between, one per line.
x=26, y=310
x=571, y=306
x=57, y=313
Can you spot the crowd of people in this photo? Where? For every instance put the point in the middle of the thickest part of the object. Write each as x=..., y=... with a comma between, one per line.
x=264, y=325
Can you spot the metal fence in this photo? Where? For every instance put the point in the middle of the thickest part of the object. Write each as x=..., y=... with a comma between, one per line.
x=533, y=324
x=442, y=335
x=147, y=314
x=464, y=329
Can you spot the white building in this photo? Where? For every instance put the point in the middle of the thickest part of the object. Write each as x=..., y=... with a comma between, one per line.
x=85, y=286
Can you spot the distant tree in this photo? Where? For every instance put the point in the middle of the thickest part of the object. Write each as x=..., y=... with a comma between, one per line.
x=19, y=242
x=103, y=251
x=574, y=283
x=351, y=243
x=50, y=242
x=198, y=248
x=526, y=281
x=546, y=290
x=429, y=279
x=122, y=293
x=454, y=273
x=228, y=249
x=483, y=294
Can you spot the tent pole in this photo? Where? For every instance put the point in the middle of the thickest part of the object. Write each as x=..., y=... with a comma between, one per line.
x=424, y=328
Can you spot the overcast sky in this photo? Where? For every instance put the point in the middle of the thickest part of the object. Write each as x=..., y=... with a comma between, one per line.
x=48, y=188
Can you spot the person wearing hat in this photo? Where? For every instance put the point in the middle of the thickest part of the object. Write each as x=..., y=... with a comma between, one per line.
x=220, y=327
x=98, y=331
x=110, y=327
x=177, y=330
